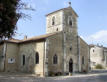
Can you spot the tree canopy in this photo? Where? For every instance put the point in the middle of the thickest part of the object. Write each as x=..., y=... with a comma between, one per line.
x=8, y=17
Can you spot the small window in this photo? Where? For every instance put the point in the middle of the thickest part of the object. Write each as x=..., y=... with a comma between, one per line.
x=53, y=21
x=55, y=59
x=37, y=58
x=70, y=48
x=23, y=60
x=57, y=29
x=83, y=60
x=93, y=50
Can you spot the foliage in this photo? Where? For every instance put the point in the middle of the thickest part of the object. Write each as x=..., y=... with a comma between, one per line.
x=9, y=15
x=51, y=73
x=99, y=66
x=55, y=74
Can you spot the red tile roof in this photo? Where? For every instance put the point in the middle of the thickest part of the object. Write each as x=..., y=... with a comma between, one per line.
x=36, y=38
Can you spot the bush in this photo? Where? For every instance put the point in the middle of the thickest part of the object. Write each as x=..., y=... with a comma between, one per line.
x=99, y=66
x=58, y=74
x=51, y=74
x=55, y=74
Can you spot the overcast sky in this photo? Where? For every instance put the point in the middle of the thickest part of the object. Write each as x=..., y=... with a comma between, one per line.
x=92, y=21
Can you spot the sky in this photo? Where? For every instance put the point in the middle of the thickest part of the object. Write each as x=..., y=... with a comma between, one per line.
x=92, y=20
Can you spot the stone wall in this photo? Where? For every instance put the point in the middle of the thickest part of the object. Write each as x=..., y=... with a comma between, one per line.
x=58, y=22
x=66, y=26
x=29, y=50
x=105, y=57
x=55, y=46
x=84, y=52
x=11, y=61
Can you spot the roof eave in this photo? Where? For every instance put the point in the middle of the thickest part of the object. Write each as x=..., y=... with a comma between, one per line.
x=38, y=40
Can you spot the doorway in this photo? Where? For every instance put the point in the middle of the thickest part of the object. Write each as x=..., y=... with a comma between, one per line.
x=70, y=65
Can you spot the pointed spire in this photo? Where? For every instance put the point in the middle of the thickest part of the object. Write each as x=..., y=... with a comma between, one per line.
x=69, y=4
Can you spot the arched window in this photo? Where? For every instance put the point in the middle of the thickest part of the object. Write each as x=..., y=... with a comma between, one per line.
x=37, y=58
x=23, y=60
x=70, y=20
x=82, y=59
x=53, y=21
x=55, y=59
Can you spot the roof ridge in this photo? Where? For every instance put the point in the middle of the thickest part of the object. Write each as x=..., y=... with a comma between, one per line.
x=63, y=9
x=49, y=34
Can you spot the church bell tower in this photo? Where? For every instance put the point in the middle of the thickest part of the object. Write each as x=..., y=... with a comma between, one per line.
x=65, y=21
x=62, y=20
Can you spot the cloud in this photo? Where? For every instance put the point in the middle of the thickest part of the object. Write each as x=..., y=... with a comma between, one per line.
x=98, y=37
x=66, y=3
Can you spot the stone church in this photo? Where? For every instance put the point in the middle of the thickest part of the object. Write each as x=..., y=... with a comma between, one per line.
x=60, y=50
